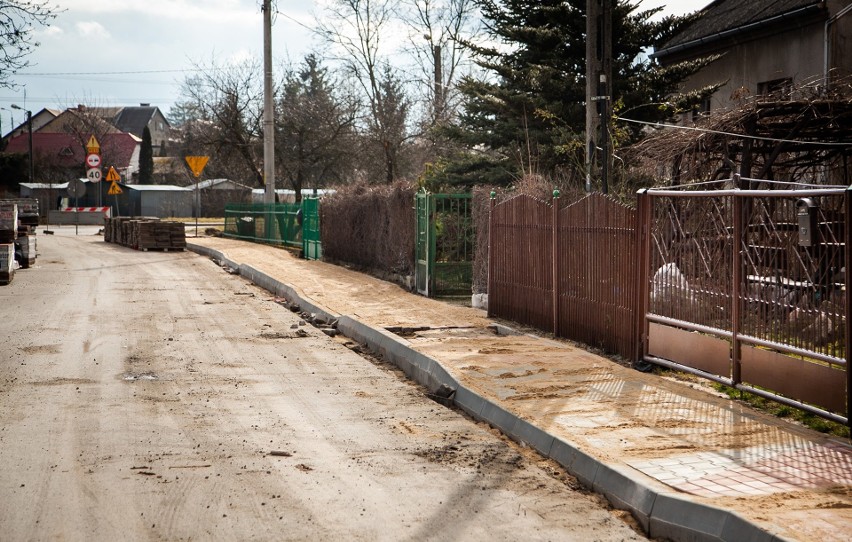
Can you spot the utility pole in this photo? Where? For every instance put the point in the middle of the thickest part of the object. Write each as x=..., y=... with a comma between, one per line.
x=598, y=89
x=439, y=84
x=268, y=110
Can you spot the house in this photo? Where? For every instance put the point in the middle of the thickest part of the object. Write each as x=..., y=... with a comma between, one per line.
x=134, y=120
x=766, y=47
x=39, y=120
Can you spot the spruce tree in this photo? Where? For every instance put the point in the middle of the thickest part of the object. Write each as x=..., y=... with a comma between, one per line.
x=530, y=108
x=146, y=158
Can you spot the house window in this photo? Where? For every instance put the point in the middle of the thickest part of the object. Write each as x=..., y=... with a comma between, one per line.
x=781, y=88
x=159, y=125
x=66, y=151
x=701, y=110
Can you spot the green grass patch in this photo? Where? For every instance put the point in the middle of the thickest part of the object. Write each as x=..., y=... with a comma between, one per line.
x=780, y=410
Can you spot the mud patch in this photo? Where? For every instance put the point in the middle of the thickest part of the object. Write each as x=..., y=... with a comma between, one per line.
x=41, y=349
x=64, y=382
x=274, y=335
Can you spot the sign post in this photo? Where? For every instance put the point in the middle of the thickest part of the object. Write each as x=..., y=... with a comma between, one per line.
x=76, y=188
x=93, y=163
x=114, y=190
x=196, y=164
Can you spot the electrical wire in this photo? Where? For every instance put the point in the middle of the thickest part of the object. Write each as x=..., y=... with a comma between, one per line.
x=744, y=136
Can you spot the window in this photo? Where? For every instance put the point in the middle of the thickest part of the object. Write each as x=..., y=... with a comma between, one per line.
x=701, y=110
x=66, y=151
x=780, y=88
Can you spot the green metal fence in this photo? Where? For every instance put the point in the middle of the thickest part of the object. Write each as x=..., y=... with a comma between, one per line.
x=311, y=245
x=276, y=223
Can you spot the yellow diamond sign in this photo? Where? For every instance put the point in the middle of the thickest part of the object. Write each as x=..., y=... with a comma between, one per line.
x=197, y=163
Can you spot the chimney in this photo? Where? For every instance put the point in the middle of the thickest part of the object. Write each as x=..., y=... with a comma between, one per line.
x=145, y=105
x=81, y=107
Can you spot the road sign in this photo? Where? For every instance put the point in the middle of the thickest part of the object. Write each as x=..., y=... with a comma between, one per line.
x=112, y=175
x=197, y=163
x=93, y=147
x=94, y=174
x=114, y=189
x=93, y=160
x=76, y=188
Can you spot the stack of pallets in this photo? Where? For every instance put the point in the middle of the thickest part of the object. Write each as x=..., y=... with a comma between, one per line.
x=7, y=263
x=145, y=233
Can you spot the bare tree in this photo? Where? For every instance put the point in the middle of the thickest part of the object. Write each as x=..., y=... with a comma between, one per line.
x=223, y=106
x=437, y=29
x=17, y=19
x=357, y=28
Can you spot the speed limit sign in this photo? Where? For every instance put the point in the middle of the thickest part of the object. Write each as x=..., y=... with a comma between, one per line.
x=94, y=175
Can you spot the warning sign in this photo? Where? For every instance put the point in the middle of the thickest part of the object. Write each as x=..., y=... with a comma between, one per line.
x=112, y=175
x=197, y=163
x=93, y=147
x=114, y=189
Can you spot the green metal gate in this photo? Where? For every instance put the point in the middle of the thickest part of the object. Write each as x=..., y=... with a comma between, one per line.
x=445, y=244
x=311, y=245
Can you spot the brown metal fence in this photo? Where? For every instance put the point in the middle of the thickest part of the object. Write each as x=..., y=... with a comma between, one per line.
x=587, y=250
x=748, y=288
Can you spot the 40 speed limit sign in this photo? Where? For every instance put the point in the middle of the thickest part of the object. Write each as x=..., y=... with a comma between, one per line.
x=94, y=175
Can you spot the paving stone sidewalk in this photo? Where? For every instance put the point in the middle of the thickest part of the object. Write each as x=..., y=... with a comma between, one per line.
x=688, y=463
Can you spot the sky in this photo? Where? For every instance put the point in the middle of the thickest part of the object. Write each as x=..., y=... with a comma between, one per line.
x=127, y=52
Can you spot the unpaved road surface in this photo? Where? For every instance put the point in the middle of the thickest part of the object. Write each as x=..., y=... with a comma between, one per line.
x=152, y=396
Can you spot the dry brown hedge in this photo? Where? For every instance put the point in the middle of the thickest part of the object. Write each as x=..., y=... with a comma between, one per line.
x=371, y=227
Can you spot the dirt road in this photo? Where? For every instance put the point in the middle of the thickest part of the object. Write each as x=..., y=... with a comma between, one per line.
x=152, y=396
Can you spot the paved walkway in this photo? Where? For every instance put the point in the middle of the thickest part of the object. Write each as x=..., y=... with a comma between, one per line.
x=689, y=464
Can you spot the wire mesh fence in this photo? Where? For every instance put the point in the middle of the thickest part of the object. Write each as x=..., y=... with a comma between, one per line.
x=276, y=223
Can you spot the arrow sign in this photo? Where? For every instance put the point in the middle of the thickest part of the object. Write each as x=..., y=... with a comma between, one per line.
x=114, y=189
x=197, y=163
x=112, y=175
x=93, y=147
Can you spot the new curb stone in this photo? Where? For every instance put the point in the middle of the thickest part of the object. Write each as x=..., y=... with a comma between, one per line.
x=661, y=514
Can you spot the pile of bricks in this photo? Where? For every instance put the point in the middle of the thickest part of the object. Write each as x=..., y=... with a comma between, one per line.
x=145, y=233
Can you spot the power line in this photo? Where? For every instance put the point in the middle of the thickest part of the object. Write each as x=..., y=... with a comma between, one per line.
x=55, y=74
x=744, y=136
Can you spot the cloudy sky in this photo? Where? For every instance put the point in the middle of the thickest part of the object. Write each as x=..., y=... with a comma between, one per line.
x=125, y=52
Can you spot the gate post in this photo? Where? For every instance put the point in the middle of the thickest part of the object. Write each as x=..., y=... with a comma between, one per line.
x=643, y=246
x=736, y=287
x=493, y=201
x=848, y=219
x=555, y=262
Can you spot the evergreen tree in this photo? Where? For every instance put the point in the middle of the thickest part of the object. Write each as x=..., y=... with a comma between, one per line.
x=530, y=110
x=146, y=158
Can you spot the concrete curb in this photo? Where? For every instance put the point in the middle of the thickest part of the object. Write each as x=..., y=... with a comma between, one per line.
x=662, y=514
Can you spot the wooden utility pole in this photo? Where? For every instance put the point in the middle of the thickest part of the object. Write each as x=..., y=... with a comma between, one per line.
x=268, y=110
x=598, y=89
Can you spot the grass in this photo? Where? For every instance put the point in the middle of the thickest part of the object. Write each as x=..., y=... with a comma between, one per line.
x=780, y=410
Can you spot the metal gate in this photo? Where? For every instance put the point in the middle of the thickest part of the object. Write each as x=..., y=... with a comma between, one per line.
x=311, y=244
x=445, y=244
x=749, y=288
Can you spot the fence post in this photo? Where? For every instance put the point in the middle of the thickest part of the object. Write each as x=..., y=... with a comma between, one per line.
x=492, y=203
x=555, y=261
x=848, y=219
x=643, y=226
x=736, y=313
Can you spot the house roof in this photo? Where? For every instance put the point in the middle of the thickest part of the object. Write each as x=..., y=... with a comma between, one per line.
x=134, y=119
x=157, y=188
x=209, y=183
x=116, y=148
x=726, y=18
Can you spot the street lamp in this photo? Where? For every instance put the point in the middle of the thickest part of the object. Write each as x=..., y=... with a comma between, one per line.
x=30, y=130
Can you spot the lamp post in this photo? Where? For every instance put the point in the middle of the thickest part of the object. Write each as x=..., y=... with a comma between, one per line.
x=31, y=161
